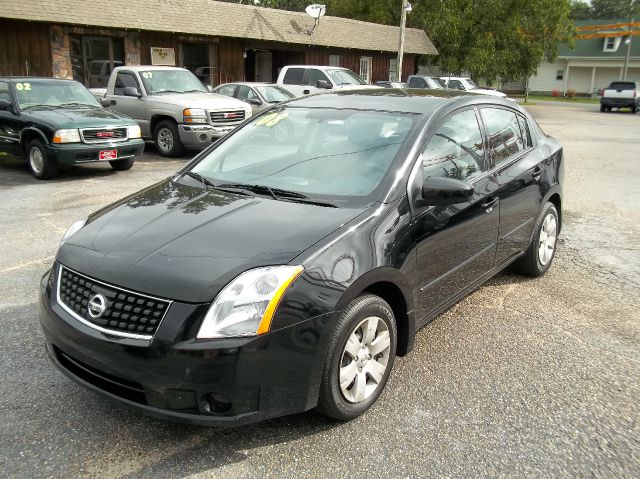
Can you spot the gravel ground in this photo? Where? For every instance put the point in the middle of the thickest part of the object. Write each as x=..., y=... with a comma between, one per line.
x=524, y=378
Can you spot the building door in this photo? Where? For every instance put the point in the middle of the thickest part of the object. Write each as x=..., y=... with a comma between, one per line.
x=199, y=58
x=365, y=69
x=93, y=58
x=263, y=66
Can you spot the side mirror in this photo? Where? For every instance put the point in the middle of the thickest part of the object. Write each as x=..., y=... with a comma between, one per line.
x=439, y=191
x=131, y=91
x=209, y=88
x=254, y=101
x=460, y=87
x=324, y=84
x=105, y=102
x=5, y=105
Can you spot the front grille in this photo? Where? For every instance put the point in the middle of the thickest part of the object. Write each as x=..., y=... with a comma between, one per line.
x=226, y=118
x=103, y=135
x=126, y=313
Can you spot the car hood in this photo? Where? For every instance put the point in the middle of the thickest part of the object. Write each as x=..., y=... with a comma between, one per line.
x=185, y=243
x=483, y=91
x=81, y=117
x=208, y=101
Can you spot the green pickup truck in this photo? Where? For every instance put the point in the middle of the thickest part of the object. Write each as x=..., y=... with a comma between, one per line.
x=53, y=122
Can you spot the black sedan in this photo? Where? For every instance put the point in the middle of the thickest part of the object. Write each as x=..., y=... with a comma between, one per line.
x=271, y=276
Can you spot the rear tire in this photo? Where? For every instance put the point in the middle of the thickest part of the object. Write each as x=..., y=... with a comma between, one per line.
x=360, y=356
x=40, y=165
x=122, y=165
x=539, y=256
x=167, y=139
x=634, y=109
x=602, y=109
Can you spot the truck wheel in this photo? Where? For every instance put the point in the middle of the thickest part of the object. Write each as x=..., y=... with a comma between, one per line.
x=634, y=109
x=41, y=166
x=602, y=109
x=167, y=139
x=122, y=165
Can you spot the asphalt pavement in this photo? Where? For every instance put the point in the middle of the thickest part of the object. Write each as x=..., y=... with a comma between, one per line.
x=524, y=378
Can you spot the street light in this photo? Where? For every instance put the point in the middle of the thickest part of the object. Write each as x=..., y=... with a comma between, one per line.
x=406, y=8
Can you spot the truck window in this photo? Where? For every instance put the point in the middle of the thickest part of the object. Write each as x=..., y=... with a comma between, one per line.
x=124, y=80
x=417, y=82
x=622, y=85
x=315, y=75
x=293, y=76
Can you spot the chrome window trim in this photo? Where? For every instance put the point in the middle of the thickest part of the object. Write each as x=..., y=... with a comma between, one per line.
x=111, y=332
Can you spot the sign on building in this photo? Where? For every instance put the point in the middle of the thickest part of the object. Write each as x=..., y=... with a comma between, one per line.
x=163, y=56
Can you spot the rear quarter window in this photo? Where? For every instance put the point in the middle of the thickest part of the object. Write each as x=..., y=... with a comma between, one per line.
x=293, y=76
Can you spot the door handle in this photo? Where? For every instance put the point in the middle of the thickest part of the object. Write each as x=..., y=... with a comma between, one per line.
x=537, y=173
x=490, y=204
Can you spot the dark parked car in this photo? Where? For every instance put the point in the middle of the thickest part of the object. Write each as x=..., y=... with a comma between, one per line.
x=423, y=81
x=53, y=121
x=272, y=276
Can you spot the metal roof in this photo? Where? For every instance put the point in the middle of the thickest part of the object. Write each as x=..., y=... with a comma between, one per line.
x=222, y=19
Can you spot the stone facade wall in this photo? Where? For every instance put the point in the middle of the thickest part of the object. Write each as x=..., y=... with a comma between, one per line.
x=60, y=53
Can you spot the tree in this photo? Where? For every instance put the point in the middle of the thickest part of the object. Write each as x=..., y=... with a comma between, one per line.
x=612, y=9
x=580, y=10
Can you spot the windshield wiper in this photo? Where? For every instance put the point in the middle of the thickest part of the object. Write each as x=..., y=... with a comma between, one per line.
x=278, y=194
x=39, y=106
x=167, y=91
x=195, y=91
x=78, y=104
x=205, y=182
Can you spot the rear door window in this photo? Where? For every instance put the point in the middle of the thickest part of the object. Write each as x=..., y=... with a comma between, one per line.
x=524, y=129
x=417, y=82
x=503, y=132
x=293, y=76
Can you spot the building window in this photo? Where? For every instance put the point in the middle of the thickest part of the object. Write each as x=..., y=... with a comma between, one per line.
x=365, y=69
x=611, y=44
x=559, y=74
x=334, y=60
x=393, y=69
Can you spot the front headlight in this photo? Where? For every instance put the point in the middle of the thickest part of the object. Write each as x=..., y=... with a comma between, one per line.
x=133, y=131
x=194, y=115
x=246, y=306
x=67, y=136
x=74, y=228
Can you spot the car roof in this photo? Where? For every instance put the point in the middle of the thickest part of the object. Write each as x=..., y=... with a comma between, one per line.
x=33, y=79
x=139, y=68
x=407, y=100
x=316, y=66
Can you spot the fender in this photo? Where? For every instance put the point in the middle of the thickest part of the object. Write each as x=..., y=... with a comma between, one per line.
x=34, y=130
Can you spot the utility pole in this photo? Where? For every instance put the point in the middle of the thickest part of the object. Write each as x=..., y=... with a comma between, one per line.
x=626, y=58
x=403, y=21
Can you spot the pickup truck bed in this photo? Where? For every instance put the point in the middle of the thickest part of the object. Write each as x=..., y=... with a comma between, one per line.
x=620, y=94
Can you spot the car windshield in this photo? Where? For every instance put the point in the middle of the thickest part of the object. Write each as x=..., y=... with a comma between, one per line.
x=274, y=94
x=470, y=84
x=53, y=94
x=171, y=81
x=317, y=152
x=345, y=77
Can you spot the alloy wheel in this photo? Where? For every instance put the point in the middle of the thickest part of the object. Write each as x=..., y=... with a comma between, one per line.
x=165, y=139
x=364, y=359
x=547, y=240
x=36, y=160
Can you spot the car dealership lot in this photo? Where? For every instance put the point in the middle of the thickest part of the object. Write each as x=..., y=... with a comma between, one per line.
x=524, y=377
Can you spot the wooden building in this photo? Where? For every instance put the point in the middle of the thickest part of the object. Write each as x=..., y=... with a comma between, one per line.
x=220, y=42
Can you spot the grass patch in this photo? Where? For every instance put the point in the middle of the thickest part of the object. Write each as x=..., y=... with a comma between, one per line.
x=593, y=101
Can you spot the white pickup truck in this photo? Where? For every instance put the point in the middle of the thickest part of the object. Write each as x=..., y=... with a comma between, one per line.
x=172, y=107
x=306, y=79
x=621, y=94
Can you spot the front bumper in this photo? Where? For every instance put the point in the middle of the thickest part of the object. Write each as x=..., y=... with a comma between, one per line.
x=77, y=153
x=201, y=136
x=210, y=382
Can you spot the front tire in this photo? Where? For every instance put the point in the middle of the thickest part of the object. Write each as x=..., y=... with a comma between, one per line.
x=122, y=165
x=360, y=356
x=40, y=164
x=167, y=139
x=539, y=256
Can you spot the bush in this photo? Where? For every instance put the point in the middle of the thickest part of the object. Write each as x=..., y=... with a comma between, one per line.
x=571, y=93
x=555, y=93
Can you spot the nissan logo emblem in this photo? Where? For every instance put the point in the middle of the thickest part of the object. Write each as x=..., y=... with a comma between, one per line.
x=97, y=306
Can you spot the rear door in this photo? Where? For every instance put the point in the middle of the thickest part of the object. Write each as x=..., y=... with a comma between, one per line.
x=519, y=172
x=10, y=124
x=293, y=80
x=456, y=244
